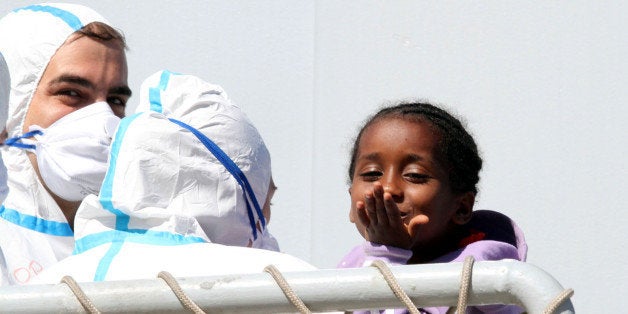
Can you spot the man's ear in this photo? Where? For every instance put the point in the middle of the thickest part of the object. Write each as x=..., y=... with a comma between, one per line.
x=465, y=208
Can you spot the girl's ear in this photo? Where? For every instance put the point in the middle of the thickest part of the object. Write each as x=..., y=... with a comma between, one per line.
x=465, y=208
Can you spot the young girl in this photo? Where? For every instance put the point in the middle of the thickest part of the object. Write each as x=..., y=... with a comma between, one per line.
x=413, y=173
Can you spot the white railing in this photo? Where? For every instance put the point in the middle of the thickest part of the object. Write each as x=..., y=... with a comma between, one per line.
x=506, y=282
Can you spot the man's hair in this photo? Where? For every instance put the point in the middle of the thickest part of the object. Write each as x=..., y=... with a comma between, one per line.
x=101, y=32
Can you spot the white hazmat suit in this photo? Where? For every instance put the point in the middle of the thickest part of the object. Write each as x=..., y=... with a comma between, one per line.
x=180, y=195
x=34, y=232
x=5, y=88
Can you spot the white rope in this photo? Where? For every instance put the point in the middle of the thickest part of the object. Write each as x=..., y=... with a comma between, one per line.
x=394, y=286
x=287, y=290
x=465, y=284
x=465, y=288
x=176, y=288
x=80, y=294
x=558, y=301
x=463, y=296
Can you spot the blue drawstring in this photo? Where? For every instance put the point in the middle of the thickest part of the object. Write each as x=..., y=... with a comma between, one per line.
x=17, y=141
x=235, y=172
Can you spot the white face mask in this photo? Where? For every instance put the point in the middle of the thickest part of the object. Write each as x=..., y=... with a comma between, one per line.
x=73, y=152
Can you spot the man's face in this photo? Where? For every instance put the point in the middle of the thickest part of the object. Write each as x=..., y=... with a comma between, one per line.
x=82, y=72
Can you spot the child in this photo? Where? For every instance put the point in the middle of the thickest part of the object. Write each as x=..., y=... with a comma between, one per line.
x=413, y=174
x=184, y=192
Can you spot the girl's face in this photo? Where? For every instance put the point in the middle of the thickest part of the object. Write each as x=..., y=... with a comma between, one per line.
x=403, y=157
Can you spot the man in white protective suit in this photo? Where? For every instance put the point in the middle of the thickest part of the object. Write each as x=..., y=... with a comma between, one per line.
x=68, y=88
x=188, y=183
x=5, y=88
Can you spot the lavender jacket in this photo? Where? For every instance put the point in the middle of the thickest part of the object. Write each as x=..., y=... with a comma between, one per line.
x=492, y=236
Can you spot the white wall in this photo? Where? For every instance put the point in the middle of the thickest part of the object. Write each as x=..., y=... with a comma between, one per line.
x=541, y=84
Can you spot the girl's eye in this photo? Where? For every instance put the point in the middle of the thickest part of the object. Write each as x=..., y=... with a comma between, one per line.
x=416, y=177
x=370, y=175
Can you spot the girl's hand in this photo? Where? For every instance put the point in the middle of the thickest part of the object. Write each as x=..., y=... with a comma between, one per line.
x=381, y=216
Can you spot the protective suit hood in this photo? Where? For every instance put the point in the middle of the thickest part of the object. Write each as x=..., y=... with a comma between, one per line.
x=170, y=197
x=40, y=30
x=163, y=178
x=34, y=232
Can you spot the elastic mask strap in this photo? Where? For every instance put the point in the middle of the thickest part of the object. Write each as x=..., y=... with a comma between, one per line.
x=17, y=141
x=235, y=172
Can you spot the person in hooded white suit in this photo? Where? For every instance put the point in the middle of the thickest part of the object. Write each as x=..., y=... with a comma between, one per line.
x=5, y=88
x=188, y=179
x=68, y=82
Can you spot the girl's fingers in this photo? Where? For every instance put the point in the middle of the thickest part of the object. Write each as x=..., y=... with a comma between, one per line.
x=362, y=215
x=393, y=215
x=369, y=204
x=415, y=224
x=419, y=220
x=380, y=208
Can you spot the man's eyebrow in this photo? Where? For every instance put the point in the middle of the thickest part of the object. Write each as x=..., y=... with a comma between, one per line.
x=73, y=79
x=121, y=90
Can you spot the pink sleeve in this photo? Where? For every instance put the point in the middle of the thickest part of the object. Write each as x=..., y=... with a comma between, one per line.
x=363, y=255
x=486, y=250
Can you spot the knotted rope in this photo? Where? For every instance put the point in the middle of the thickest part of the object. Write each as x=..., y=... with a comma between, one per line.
x=80, y=295
x=394, y=286
x=465, y=287
x=465, y=284
x=287, y=290
x=558, y=301
x=176, y=288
